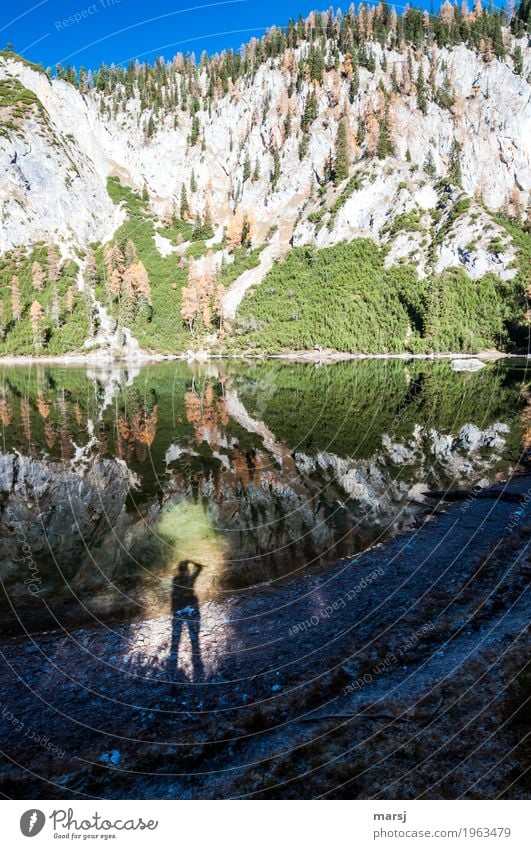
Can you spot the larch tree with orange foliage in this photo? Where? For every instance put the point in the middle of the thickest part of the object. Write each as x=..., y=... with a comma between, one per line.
x=43, y=405
x=16, y=306
x=190, y=298
x=202, y=298
x=234, y=230
x=206, y=282
x=108, y=260
x=37, y=276
x=247, y=230
x=69, y=299
x=53, y=263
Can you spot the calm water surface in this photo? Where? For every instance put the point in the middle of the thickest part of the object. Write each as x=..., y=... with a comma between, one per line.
x=124, y=492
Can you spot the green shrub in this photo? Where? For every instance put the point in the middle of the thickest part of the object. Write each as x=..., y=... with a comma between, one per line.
x=244, y=259
x=409, y=221
x=345, y=299
x=164, y=331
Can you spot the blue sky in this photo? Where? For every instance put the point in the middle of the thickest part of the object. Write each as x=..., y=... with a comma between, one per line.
x=87, y=32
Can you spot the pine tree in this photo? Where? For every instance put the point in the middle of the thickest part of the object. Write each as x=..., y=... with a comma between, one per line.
x=193, y=182
x=107, y=259
x=385, y=145
x=394, y=79
x=354, y=85
x=518, y=60
x=140, y=282
x=303, y=147
x=247, y=231
x=184, y=208
x=113, y=282
x=206, y=289
x=189, y=305
x=118, y=258
x=127, y=299
x=219, y=295
x=130, y=253
x=340, y=168
x=454, y=171
x=196, y=130
x=310, y=110
x=135, y=293
x=429, y=165
x=422, y=101
x=445, y=94
x=522, y=19
x=497, y=38
x=197, y=232
x=275, y=173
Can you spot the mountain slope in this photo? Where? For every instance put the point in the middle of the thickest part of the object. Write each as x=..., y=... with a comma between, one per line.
x=318, y=136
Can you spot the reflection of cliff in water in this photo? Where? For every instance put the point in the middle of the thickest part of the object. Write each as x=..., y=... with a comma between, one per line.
x=108, y=482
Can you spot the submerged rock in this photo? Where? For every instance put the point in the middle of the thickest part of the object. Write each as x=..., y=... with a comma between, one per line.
x=467, y=365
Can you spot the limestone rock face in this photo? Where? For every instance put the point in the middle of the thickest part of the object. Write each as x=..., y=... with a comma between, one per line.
x=56, y=163
x=47, y=507
x=54, y=169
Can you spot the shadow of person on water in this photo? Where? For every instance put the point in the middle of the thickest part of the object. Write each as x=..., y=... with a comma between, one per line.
x=185, y=610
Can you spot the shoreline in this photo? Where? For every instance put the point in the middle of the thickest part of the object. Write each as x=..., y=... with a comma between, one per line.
x=322, y=356
x=308, y=664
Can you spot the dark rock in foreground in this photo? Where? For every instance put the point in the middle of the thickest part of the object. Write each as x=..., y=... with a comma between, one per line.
x=398, y=674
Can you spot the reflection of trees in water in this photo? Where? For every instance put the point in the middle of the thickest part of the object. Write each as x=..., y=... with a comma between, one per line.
x=346, y=407
x=48, y=409
x=44, y=405
x=6, y=412
x=79, y=415
x=247, y=466
x=343, y=408
x=136, y=425
x=206, y=411
x=50, y=434
x=25, y=418
x=66, y=436
x=271, y=509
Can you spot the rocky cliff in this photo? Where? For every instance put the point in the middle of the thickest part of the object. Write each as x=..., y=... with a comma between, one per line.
x=423, y=131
